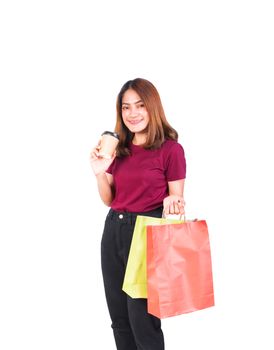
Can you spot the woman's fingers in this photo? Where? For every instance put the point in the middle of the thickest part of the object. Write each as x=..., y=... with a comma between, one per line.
x=172, y=208
x=175, y=208
x=181, y=207
x=169, y=207
x=94, y=154
x=174, y=205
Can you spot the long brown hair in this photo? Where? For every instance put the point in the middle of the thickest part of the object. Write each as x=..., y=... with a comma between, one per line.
x=158, y=127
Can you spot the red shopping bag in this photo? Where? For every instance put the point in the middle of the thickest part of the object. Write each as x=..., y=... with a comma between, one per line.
x=179, y=271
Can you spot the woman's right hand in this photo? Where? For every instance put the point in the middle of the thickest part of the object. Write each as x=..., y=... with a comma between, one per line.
x=99, y=164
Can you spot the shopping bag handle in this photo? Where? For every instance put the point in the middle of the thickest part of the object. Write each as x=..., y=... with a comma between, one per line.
x=180, y=219
x=181, y=215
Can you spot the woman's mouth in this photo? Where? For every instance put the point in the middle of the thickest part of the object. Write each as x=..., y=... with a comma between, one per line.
x=135, y=121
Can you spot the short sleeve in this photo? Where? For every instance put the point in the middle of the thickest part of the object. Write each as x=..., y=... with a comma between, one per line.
x=175, y=164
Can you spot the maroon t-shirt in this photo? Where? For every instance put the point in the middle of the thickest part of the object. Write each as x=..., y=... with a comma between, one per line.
x=141, y=179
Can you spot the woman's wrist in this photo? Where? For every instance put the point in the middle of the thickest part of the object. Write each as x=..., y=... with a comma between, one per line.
x=100, y=174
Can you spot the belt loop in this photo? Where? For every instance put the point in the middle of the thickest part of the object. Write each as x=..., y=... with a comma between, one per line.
x=133, y=218
x=111, y=213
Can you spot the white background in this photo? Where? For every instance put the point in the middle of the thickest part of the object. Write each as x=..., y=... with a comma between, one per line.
x=62, y=65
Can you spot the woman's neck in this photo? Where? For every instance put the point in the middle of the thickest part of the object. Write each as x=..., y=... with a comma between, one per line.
x=139, y=138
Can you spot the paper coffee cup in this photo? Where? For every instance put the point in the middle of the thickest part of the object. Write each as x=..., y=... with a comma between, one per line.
x=109, y=142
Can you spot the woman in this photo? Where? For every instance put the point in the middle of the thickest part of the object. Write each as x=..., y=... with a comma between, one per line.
x=145, y=177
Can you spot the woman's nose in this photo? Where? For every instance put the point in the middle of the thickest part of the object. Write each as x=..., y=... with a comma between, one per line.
x=133, y=112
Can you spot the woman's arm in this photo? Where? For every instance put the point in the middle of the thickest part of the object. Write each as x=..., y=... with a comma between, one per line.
x=174, y=203
x=104, y=181
x=105, y=187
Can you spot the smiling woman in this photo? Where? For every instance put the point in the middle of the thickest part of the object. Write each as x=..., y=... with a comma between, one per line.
x=144, y=178
x=139, y=101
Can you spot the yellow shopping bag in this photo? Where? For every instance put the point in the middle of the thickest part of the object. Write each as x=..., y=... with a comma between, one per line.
x=135, y=280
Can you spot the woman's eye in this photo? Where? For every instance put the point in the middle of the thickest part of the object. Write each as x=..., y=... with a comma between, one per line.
x=124, y=108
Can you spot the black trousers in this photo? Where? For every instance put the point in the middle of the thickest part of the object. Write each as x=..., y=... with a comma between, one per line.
x=133, y=327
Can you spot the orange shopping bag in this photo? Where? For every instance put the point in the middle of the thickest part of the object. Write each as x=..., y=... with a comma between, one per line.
x=179, y=271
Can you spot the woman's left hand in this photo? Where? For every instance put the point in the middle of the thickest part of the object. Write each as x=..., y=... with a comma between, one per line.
x=174, y=204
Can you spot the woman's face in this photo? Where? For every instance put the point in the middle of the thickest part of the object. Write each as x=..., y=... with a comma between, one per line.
x=134, y=112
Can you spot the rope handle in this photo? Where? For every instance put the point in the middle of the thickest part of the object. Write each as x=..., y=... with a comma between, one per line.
x=181, y=215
